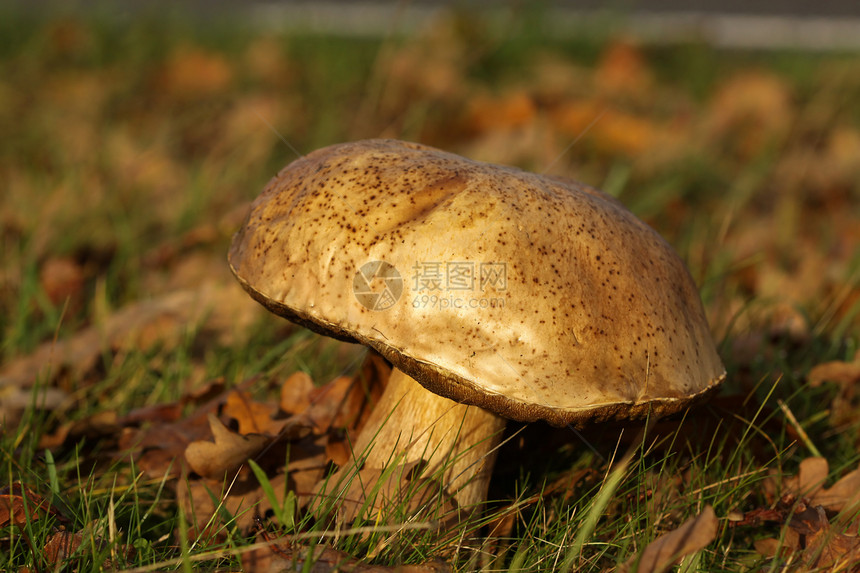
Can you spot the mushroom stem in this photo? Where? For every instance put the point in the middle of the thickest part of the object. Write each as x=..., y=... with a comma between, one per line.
x=410, y=424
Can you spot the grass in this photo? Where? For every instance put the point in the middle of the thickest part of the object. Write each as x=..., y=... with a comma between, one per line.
x=131, y=149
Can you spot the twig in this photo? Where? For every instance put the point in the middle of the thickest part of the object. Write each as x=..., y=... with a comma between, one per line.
x=804, y=437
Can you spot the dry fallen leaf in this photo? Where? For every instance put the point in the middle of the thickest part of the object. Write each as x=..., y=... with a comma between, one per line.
x=500, y=112
x=96, y=426
x=265, y=435
x=295, y=393
x=229, y=451
x=809, y=485
x=767, y=547
x=62, y=545
x=829, y=549
x=19, y=505
x=623, y=71
x=207, y=502
x=844, y=495
x=750, y=110
x=158, y=447
x=846, y=375
x=192, y=72
x=838, y=371
x=693, y=535
x=808, y=537
x=338, y=451
x=345, y=402
x=812, y=542
x=243, y=498
x=618, y=132
x=62, y=278
x=253, y=417
x=611, y=130
x=810, y=477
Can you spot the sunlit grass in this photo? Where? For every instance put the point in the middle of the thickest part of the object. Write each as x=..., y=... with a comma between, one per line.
x=132, y=148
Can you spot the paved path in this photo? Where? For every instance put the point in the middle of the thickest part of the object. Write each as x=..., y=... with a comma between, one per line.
x=805, y=24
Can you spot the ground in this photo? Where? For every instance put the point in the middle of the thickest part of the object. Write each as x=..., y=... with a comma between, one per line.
x=131, y=151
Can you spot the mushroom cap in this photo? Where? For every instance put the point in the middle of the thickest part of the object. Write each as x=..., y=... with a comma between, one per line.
x=532, y=296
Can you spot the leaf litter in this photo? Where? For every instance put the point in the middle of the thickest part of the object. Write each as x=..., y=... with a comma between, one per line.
x=787, y=242
x=691, y=536
x=818, y=524
x=207, y=448
x=138, y=326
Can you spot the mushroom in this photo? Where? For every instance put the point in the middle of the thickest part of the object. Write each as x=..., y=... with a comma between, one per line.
x=495, y=294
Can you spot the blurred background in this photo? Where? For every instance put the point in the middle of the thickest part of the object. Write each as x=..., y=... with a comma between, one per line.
x=135, y=133
x=764, y=23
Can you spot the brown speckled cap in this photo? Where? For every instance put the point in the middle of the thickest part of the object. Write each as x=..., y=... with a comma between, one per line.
x=528, y=295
